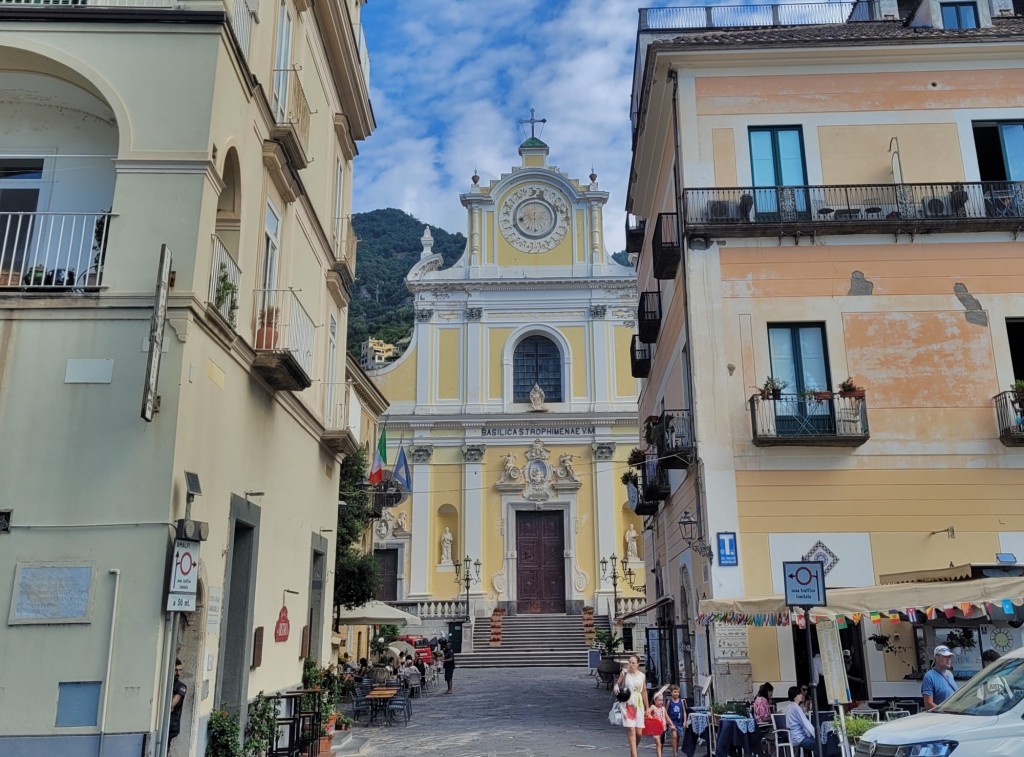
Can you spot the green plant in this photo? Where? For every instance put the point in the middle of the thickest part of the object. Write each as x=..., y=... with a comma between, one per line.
x=962, y=638
x=773, y=385
x=346, y=720
x=224, y=737
x=261, y=730
x=608, y=642
x=226, y=294
x=882, y=641
x=1018, y=386
x=849, y=385
x=857, y=726
x=34, y=277
x=652, y=429
x=379, y=644
x=719, y=708
x=588, y=610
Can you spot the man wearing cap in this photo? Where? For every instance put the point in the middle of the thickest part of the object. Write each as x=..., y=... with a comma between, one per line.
x=938, y=683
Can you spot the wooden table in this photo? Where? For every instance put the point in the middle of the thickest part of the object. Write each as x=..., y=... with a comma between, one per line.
x=379, y=700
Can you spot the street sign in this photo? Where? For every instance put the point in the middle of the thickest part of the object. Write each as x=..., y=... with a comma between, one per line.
x=728, y=554
x=181, y=603
x=185, y=567
x=282, y=628
x=156, y=335
x=805, y=583
x=833, y=667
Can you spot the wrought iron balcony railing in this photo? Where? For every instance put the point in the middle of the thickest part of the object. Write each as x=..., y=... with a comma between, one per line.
x=672, y=437
x=665, y=247
x=283, y=339
x=639, y=358
x=721, y=16
x=814, y=419
x=53, y=251
x=635, y=230
x=654, y=479
x=291, y=115
x=338, y=435
x=854, y=209
x=1010, y=416
x=225, y=279
x=648, y=316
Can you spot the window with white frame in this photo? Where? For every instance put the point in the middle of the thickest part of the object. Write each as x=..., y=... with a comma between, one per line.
x=339, y=188
x=282, y=63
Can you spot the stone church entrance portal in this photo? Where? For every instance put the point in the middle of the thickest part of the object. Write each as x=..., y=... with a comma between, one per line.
x=540, y=570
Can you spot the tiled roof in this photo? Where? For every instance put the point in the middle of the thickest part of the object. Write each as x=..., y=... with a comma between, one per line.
x=856, y=33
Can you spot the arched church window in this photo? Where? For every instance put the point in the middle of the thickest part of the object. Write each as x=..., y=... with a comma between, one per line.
x=537, y=360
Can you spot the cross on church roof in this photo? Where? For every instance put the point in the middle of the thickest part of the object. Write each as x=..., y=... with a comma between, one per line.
x=533, y=122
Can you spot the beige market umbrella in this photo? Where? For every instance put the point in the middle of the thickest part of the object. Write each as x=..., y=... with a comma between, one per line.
x=401, y=646
x=377, y=613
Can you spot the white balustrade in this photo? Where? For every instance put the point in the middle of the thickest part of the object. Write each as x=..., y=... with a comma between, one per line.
x=52, y=250
x=225, y=278
x=281, y=324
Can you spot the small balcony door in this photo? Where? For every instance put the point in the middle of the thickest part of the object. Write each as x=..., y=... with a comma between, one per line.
x=776, y=163
x=22, y=187
x=799, y=358
x=282, y=63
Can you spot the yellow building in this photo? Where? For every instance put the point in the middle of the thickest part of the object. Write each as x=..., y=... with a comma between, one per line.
x=223, y=132
x=516, y=406
x=843, y=190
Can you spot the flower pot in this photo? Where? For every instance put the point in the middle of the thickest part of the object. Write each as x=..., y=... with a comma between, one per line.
x=776, y=394
x=822, y=396
x=608, y=665
x=266, y=337
x=854, y=394
x=325, y=744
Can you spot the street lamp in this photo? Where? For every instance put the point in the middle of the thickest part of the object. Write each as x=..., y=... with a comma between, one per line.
x=464, y=574
x=690, y=530
x=634, y=583
x=614, y=575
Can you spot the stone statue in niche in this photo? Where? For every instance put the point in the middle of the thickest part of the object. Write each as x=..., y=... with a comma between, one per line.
x=446, y=546
x=566, y=469
x=537, y=400
x=403, y=522
x=631, y=537
x=384, y=524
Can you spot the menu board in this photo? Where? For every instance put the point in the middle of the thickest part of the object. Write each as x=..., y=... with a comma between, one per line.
x=731, y=642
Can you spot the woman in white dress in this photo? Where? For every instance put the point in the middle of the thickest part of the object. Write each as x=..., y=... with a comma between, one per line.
x=633, y=681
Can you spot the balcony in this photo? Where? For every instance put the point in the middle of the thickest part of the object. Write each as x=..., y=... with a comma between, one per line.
x=639, y=358
x=344, y=243
x=636, y=227
x=665, y=248
x=53, y=252
x=1010, y=416
x=225, y=278
x=241, y=24
x=814, y=419
x=672, y=437
x=648, y=316
x=854, y=209
x=338, y=435
x=291, y=116
x=654, y=480
x=283, y=340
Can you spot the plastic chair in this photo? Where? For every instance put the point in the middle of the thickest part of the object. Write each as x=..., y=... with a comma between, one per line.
x=414, y=682
x=360, y=705
x=782, y=743
x=400, y=703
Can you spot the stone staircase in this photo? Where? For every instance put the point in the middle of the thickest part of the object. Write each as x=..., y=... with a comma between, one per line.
x=531, y=641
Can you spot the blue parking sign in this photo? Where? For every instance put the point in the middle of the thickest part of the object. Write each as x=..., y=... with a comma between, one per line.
x=728, y=554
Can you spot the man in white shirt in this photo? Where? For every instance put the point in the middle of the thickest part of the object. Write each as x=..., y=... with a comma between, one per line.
x=801, y=731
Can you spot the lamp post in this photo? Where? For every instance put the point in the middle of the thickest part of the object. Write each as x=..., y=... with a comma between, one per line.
x=464, y=574
x=614, y=575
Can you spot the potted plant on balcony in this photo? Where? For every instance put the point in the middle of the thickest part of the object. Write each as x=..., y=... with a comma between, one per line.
x=848, y=388
x=1018, y=389
x=818, y=395
x=266, y=334
x=652, y=430
x=635, y=460
x=772, y=388
x=226, y=294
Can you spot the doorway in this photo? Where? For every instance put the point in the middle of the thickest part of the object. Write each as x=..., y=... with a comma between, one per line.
x=240, y=588
x=387, y=561
x=851, y=639
x=540, y=568
x=317, y=570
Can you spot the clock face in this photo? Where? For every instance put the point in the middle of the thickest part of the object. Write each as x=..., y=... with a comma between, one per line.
x=534, y=218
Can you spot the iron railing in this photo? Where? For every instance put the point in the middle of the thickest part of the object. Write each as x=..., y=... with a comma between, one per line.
x=364, y=54
x=810, y=419
x=343, y=240
x=648, y=316
x=241, y=24
x=654, y=476
x=57, y=251
x=292, y=109
x=336, y=398
x=281, y=324
x=665, y=247
x=639, y=358
x=721, y=16
x=1010, y=417
x=753, y=211
x=673, y=438
x=225, y=280
x=636, y=227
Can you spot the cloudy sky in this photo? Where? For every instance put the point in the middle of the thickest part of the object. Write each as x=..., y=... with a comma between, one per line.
x=449, y=80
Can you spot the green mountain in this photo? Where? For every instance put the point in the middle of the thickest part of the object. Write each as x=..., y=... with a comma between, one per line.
x=389, y=245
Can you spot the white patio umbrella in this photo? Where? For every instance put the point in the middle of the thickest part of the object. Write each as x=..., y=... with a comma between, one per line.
x=377, y=613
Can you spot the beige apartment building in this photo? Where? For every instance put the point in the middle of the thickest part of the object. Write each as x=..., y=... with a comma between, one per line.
x=223, y=134
x=822, y=191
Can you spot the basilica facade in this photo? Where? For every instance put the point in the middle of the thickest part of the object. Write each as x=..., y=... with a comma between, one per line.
x=516, y=407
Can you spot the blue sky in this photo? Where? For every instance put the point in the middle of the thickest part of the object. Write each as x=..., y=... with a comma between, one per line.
x=449, y=80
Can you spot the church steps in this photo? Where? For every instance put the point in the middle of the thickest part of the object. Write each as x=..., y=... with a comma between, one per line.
x=531, y=641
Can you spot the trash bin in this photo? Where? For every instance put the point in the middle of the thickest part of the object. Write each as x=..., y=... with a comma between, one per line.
x=455, y=635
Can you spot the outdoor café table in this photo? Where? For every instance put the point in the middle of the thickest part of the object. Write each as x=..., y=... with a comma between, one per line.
x=698, y=726
x=379, y=700
x=737, y=732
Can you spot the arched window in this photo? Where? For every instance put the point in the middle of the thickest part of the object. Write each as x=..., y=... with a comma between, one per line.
x=537, y=360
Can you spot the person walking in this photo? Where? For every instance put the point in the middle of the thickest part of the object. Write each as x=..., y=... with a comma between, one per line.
x=656, y=719
x=449, y=664
x=633, y=709
x=676, y=708
x=938, y=683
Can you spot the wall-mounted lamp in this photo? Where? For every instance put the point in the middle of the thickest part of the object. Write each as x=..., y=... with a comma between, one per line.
x=949, y=531
x=284, y=596
x=253, y=493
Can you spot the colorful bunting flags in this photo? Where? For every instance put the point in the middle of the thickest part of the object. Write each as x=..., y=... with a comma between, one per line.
x=912, y=614
x=894, y=618
x=949, y=611
x=840, y=622
x=931, y=614
x=876, y=617
x=1007, y=606
x=966, y=608
x=856, y=618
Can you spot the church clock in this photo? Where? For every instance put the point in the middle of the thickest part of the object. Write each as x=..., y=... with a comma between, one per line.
x=534, y=218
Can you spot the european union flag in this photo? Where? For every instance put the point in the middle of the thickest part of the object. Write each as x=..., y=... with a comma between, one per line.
x=401, y=473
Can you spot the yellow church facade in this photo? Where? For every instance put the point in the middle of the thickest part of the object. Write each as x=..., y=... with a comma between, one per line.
x=517, y=409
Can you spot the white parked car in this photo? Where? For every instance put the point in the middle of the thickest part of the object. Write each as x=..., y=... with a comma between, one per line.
x=982, y=719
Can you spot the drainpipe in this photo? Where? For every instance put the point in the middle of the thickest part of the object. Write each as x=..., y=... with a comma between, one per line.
x=116, y=573
x=698, y=483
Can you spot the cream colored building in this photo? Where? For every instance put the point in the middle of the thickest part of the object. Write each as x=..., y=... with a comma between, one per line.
x=376, y=353
x=829, y=194
x=525, y=481
x=225, y=133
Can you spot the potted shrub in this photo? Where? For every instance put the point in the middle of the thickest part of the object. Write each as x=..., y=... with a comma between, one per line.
x=608, y=643
x=223, y=739
x=261, y=731
x=631, y=476
x=226, y=294
x=266, y=334
x=882, y=643
x=856, y=727
x=652, y=430
x=344, y=723
x=849, y=388
x=772, y=388
x=818, y=395
x=1018, y=389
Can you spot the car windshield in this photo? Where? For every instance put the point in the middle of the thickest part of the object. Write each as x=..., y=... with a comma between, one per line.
x=995, y=690
x=420, y=643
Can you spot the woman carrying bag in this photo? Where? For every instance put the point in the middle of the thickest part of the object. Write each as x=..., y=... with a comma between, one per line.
x=633, y=709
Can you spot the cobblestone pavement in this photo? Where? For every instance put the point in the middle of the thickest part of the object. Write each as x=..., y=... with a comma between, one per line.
x=511, y=712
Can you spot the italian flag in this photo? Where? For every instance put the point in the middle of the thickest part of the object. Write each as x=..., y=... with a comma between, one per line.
x=380, y=459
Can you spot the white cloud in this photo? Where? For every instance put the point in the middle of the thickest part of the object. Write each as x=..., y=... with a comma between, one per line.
x=451, y=79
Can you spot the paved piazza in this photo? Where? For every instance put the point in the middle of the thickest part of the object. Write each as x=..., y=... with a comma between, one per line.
x=518, y=712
